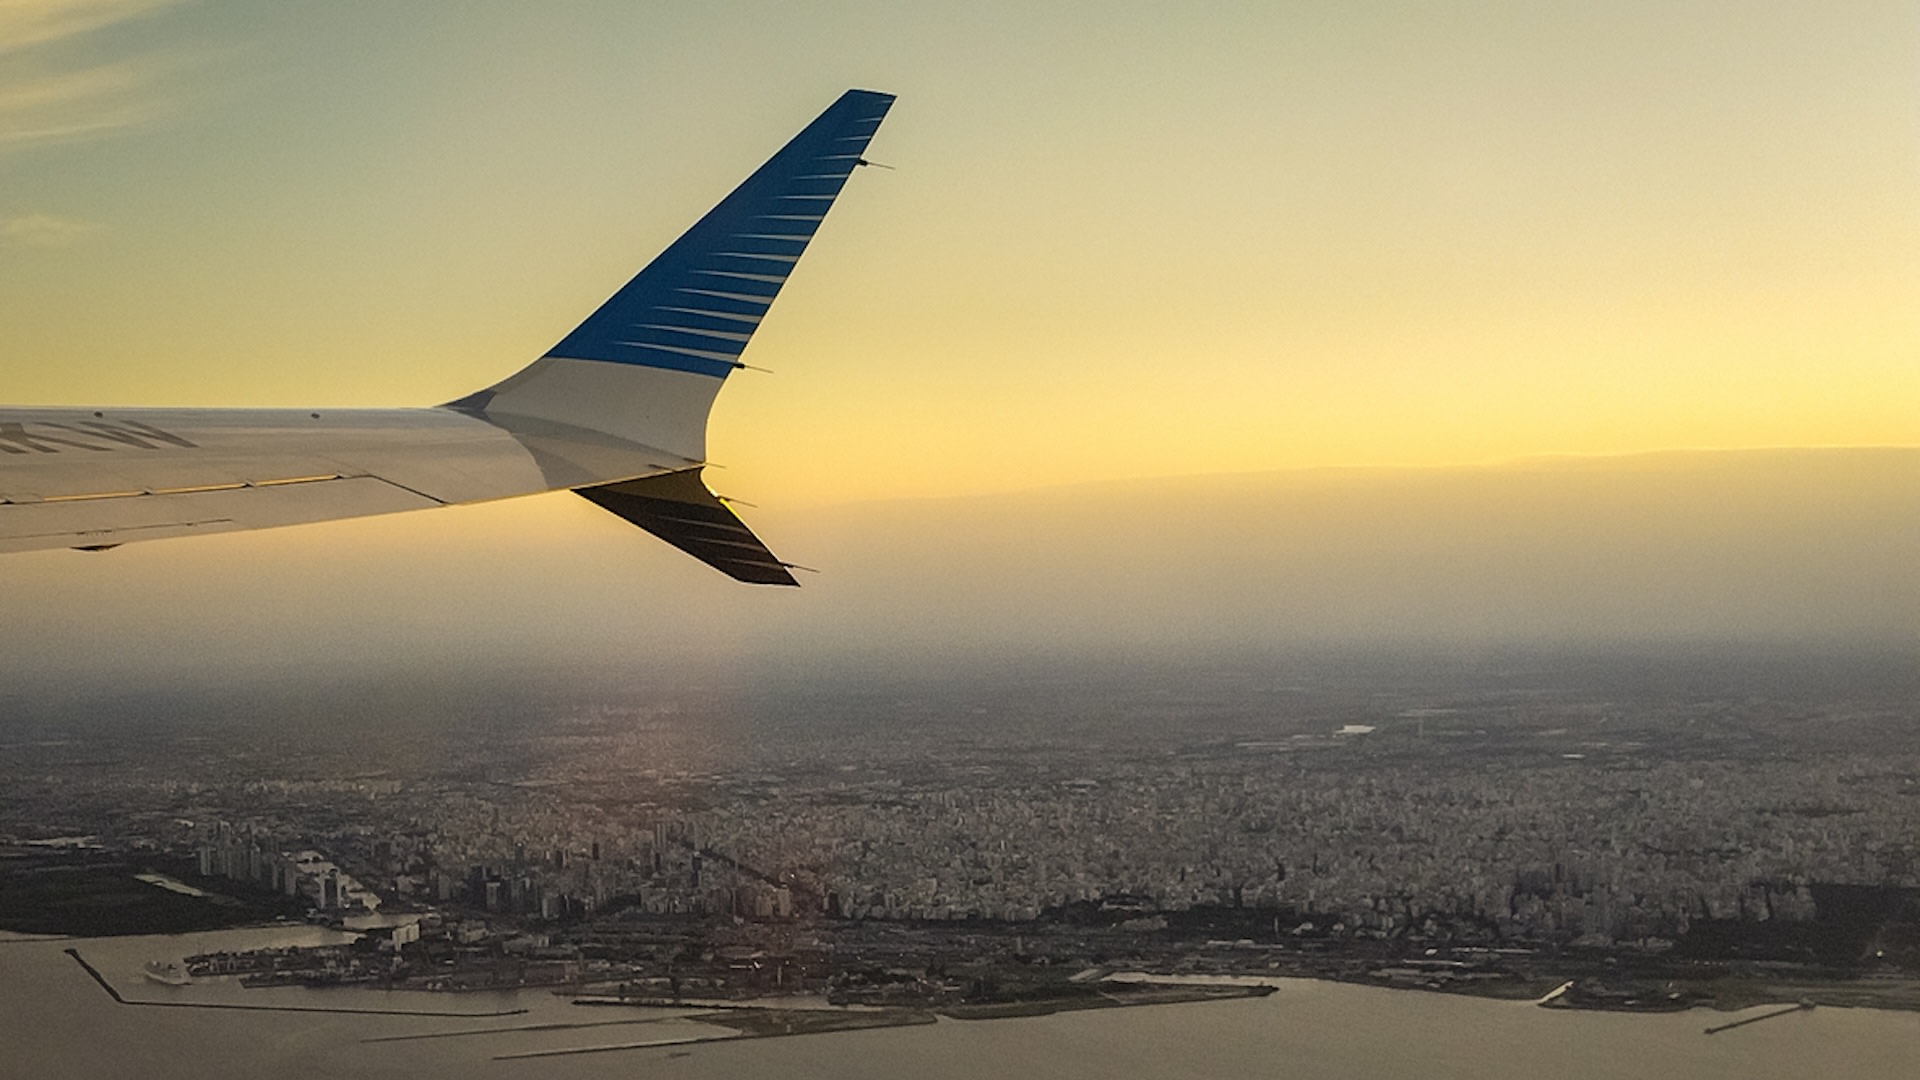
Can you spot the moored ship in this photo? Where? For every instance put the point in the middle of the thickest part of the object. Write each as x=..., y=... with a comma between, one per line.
x=171, y=972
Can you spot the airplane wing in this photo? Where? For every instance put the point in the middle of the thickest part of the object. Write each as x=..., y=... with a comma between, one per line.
x=617, y=411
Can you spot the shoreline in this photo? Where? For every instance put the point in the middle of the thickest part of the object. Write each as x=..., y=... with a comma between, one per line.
x=1348, y=1027
x=1580, y=988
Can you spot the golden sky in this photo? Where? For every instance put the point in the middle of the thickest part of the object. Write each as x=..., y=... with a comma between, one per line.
x=1123, y=239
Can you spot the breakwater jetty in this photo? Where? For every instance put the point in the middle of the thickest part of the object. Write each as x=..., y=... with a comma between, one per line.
x=1718, y=1028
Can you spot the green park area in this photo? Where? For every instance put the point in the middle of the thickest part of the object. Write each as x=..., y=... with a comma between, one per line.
x=88, y=894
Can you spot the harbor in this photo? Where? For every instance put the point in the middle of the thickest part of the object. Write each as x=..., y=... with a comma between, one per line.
x=59, y=1014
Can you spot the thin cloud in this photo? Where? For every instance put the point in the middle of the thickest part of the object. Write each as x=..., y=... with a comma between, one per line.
x=47, y=95
x=68, y=103
x=25, y=24
x=43, y=231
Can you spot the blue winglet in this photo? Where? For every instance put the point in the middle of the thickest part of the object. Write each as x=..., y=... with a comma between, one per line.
x=694, y=307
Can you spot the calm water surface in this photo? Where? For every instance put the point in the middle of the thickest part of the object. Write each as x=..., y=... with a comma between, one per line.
x=55, y=1022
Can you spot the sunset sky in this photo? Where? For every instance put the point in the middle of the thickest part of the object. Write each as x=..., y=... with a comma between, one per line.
x=1122, y=239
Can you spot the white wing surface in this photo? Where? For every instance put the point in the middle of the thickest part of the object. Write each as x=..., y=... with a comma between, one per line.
x=617, y=411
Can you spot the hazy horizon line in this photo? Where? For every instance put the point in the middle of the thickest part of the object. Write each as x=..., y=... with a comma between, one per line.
x=1551, y=457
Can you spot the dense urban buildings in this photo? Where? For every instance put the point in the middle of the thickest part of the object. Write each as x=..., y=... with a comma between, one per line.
x=1557, y=819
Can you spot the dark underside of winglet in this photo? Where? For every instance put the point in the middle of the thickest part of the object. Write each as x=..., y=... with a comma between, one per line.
x=678, y=508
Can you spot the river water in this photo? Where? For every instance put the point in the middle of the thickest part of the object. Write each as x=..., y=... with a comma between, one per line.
x=56, y=1022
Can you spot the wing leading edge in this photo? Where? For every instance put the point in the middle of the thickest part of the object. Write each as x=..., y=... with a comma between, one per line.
x=616, y=411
